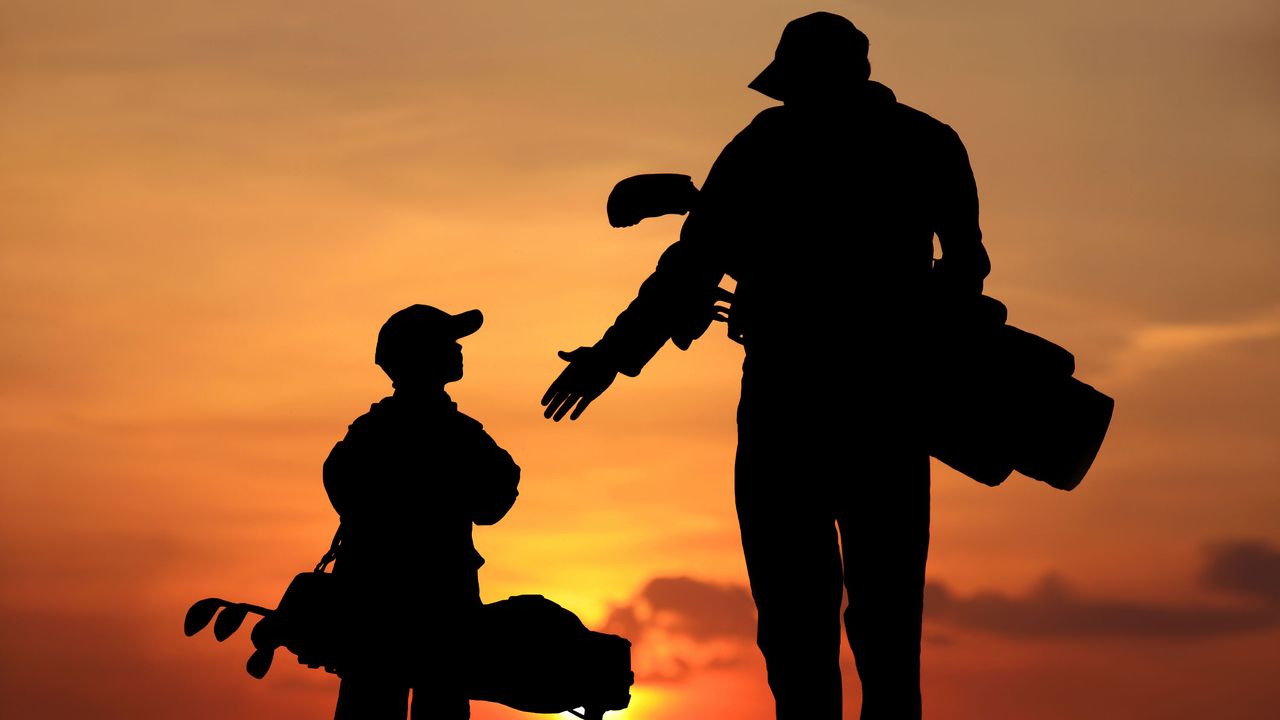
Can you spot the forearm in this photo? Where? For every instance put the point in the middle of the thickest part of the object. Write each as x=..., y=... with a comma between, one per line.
x=638, y=333
x=675, y=301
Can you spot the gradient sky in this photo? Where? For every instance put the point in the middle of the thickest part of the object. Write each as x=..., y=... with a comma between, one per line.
x=208, y=208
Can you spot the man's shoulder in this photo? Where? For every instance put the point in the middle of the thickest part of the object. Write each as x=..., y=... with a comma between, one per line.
x=921, y=124
x=780, y=119
x=918, y=119
x=767, y=123
x=766, y=132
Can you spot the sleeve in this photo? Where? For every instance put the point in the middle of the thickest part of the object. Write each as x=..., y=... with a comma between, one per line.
x=341, y=474
x=491, y=488
x=675, y=301
x=964, y=263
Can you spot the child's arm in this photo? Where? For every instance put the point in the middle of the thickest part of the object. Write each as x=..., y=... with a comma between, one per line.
x=338, y=470
x=492, y=477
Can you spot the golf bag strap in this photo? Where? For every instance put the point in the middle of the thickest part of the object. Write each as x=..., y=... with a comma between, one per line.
x=333, y=550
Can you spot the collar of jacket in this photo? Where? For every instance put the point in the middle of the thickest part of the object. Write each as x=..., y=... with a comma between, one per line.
x=863, y=95
x=872, y=91
x=429, y=399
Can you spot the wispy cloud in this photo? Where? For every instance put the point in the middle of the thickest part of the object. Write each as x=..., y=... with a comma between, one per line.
x=681, y=625
x=1054, y=609
x=1157, y=345
x=1245, y=567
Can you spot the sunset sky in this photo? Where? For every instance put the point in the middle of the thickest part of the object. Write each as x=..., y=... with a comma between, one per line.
x=208, y=208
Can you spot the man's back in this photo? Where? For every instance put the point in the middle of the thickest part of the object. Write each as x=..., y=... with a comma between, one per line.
x=834, y=207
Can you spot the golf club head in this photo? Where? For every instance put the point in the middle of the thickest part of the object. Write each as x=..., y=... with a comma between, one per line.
x=229, y=620
x=644, y=196
x=266, y=633
x=260, y=662
x=199, y=615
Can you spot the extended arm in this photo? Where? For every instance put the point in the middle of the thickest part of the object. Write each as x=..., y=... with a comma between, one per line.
x=676, y=302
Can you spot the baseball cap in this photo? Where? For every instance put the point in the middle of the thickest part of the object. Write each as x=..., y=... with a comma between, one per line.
x=419, y=325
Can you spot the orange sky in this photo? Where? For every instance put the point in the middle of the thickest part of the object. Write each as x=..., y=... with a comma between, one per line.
x=208, y=208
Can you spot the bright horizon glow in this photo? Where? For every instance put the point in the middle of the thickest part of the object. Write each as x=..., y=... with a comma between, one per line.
x=207, y=211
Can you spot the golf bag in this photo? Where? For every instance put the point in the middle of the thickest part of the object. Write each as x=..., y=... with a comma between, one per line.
x=527, y=652
x=1004, y=399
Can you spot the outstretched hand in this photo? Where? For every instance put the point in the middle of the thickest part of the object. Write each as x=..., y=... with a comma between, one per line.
x=585, y=379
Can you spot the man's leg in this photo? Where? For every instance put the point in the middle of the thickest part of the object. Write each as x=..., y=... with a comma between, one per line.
x=884, y=529
x=793, y=561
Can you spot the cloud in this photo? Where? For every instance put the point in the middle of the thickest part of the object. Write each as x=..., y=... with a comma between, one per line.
x=701, y=610
x=1054, y=609
x=1155, y=346
x=1247, y=567
x=678, y=625
x=682, y=625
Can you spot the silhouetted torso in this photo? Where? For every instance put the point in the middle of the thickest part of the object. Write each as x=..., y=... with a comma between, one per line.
x=824, y=214
x=409, y=479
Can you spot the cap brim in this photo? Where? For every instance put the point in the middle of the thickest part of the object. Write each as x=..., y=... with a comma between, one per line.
x=770, y=82
x=465, y=323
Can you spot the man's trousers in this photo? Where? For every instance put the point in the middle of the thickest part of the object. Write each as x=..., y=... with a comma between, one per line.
x=802, y=475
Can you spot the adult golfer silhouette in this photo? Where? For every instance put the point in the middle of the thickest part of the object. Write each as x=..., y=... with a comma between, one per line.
x=824, y=210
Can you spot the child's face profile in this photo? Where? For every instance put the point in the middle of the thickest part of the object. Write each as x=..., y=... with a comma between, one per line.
x=440, y=362
x=451, y=362
x=434, y=363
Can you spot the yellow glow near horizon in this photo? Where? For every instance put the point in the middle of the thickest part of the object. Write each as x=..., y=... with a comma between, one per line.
x=208, y=209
